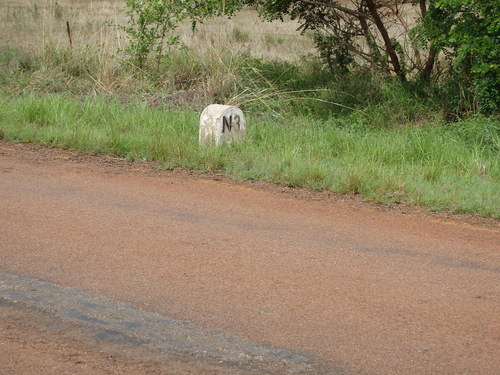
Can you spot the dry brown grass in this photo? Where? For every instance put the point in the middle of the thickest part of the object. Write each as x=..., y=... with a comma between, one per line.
x=34, y=24
x=210, y=72
x=245, y=32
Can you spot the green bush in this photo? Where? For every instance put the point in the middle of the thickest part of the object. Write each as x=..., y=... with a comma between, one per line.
x=468, y=31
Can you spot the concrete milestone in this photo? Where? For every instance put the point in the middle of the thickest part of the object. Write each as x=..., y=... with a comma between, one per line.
x=221, y=123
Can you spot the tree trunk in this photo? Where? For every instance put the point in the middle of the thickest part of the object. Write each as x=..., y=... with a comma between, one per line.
x=387, y=40
x=429, y=64
x=377, y=57
x=431, y=58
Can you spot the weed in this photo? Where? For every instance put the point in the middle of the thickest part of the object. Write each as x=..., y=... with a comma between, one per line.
x=239, y=35
x=273, y=41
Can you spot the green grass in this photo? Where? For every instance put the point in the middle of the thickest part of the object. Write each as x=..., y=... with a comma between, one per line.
x=454, y=167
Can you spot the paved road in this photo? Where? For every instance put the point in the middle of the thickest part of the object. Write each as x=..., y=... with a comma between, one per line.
x=315, y=286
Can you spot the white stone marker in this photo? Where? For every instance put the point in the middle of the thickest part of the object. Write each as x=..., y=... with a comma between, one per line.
x=219, y=123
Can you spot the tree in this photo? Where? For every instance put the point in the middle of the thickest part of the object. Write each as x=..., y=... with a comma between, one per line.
x=374, y=31
x=150, y=27
x=468, y=32
x=151, y=23
x=401, y=38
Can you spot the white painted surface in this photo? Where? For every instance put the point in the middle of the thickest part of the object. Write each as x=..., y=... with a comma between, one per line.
x=221, y=123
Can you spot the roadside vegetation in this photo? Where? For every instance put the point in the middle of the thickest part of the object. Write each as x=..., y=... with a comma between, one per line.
x=69, y=78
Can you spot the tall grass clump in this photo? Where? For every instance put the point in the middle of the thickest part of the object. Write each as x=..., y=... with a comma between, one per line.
x=101, y=126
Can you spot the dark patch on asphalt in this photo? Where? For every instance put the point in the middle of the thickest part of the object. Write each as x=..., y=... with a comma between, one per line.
x=131, y=327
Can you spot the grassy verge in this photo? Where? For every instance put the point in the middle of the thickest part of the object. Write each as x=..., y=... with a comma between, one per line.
x=348, y=132
x=454, y=167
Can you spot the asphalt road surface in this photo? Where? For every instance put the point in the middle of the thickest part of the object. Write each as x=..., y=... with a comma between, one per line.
x=112, y=267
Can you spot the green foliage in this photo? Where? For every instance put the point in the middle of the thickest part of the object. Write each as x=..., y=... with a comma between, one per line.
x=468, y=31
x=150, y=27
x=151, y=23
x=338, y=127
x=58, y=11
x=207, y=8
x=360, y=30
x=336, y=56
x=481, y=131
x=16, y=60
x=239, y=36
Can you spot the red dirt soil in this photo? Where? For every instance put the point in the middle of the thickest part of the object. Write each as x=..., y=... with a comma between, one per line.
x=371, y=289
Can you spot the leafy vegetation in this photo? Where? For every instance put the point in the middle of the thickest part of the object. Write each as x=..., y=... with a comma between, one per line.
x=405, y=38
x=150, y=28
x=364, y=30
x=468, y=31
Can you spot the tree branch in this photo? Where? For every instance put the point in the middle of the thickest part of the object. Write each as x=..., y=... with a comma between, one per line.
x=387, y=40
x=349, y=11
